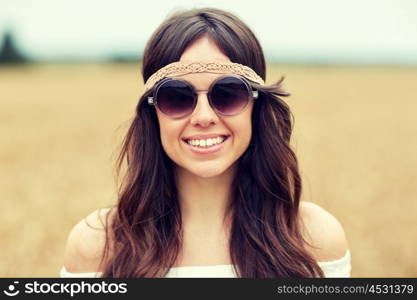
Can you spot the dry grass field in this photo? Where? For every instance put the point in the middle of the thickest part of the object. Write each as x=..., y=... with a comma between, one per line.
x=355, y=136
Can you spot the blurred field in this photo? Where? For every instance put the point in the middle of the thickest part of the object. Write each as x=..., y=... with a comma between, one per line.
x=355, y=136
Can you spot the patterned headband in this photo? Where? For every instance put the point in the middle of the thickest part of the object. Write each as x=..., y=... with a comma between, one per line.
x=182, y=68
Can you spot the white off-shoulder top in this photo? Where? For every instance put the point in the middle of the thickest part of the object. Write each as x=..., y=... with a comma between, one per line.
x=335, y=268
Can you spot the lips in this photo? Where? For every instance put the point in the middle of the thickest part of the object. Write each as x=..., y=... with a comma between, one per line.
x=204, y=136
x=207, y=150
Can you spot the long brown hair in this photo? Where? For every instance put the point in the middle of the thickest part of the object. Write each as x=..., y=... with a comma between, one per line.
x=265, y=237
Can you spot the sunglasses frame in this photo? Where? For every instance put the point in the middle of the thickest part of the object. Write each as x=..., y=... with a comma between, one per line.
x=252, y=94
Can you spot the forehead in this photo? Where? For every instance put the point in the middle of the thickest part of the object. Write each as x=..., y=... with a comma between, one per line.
x=203, y=50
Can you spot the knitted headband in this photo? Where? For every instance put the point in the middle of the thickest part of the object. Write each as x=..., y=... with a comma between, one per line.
x=182, y=68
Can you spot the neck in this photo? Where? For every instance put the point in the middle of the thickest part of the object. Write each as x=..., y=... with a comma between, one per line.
x=204, y=201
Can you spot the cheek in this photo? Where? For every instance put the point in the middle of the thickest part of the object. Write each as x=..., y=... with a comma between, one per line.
x=170, y=133
x=247, y=122
x=245, y=133
x=242, y=127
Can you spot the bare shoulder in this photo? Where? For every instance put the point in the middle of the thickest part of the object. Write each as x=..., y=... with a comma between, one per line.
x=86, y=242
x=323, y=231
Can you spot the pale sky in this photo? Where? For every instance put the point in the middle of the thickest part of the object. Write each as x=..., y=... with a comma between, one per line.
x=370, y=31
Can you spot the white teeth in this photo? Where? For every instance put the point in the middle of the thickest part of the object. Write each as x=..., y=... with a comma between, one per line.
x=207, y=142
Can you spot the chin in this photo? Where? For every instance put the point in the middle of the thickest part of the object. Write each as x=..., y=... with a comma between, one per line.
x=207, y=172
x=207, y=169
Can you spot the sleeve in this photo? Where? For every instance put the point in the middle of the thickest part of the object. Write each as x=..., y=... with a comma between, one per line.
x=65, y=274
x=337, y=268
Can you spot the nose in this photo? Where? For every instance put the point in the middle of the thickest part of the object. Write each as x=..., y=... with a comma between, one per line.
x=203, y=114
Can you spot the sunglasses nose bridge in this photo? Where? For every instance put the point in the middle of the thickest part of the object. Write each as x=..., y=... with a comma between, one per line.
x=201, y=91
x=203, y=112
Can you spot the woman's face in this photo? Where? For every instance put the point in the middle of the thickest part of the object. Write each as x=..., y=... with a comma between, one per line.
x=204, y=121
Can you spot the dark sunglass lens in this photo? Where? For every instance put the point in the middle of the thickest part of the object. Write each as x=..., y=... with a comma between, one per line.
x=175, y=98
x=229, y=95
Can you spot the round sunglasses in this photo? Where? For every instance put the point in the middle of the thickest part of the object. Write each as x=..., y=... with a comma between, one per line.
x=227, y=95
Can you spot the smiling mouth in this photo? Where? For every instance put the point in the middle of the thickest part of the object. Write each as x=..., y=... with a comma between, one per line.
x=206, y=143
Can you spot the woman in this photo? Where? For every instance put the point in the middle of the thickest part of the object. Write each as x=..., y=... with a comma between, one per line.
x=212, y=187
